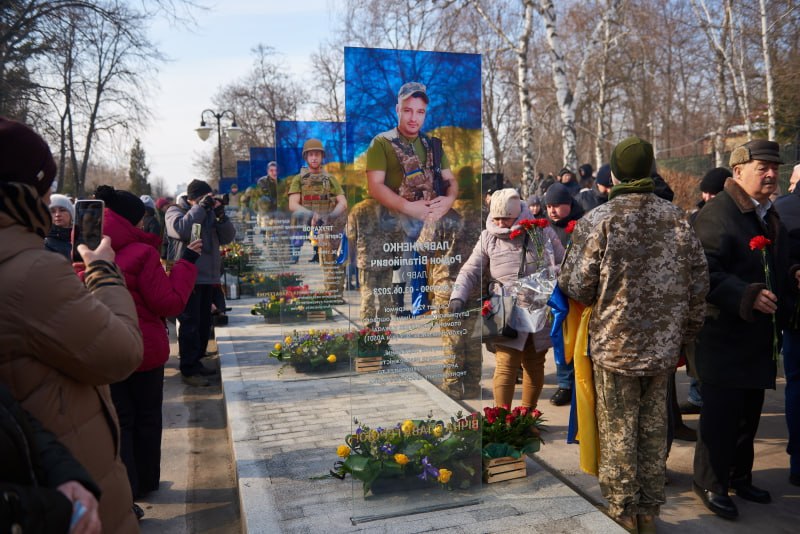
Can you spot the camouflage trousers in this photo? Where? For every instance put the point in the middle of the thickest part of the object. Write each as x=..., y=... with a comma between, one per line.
x=632, y=424
x=332, y=272
x=375, y=297
x=462, y=354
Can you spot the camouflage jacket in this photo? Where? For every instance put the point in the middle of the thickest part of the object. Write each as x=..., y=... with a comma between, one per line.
x=369, y=227
x=638, y=263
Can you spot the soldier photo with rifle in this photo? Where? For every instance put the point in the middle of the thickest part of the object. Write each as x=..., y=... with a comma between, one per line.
x=317, y=200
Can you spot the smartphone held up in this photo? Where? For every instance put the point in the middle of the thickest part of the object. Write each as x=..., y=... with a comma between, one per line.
x=88, y=228
x=196, y=229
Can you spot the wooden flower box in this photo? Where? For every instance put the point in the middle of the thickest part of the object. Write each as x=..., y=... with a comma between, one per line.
x=506, y=468
x=316, y=315
x=369, y=364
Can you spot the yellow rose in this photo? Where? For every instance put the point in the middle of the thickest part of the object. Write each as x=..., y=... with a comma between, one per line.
x=332, y=358
x=438, y=430
x=287, y=339
x=278, y=346
x=343, y=451
x=407, y=427
x=444, y=476
x=401, y=459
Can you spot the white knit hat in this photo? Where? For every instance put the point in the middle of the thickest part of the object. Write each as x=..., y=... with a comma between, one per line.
x=505, y=204
x=148, y=201
x=63, y=201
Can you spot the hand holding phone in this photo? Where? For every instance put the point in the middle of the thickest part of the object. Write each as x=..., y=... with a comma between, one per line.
x=88, y=227
x=196, y=230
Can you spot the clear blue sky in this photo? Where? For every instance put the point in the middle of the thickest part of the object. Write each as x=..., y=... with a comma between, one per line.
x=217, y=51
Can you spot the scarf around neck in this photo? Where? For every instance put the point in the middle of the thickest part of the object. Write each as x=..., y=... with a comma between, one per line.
x=643, y=185
x=25, y=207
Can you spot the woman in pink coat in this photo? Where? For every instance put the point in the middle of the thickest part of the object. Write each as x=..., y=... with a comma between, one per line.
x=497, y=256
x=138, y=398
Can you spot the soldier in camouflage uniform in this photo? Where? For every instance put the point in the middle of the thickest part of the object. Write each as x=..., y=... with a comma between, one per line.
x=462, y=352
x=638, y=264
x=401, y=176
x=367, y=231
x=317, y=199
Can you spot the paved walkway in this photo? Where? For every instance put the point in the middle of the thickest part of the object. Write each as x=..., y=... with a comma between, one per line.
x=284, y=428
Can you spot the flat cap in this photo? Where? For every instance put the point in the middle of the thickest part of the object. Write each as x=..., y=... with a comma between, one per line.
x=757, y=149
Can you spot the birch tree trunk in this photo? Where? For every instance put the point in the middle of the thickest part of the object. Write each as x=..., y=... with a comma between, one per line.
x=600, y=125
x=718, y=45
x=740, y=77
x=566, y=99
x=772, y=131
x=520, y=47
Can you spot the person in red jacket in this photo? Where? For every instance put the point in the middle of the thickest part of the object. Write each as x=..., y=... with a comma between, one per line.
x=138, y=398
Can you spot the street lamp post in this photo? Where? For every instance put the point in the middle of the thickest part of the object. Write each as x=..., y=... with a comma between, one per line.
x=233, y=131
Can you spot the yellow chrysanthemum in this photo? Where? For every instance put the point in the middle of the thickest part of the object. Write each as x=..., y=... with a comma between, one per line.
x=332, y=358
x=312, y=332
x=407, y=427
x=343, y=451
x=287, y=339
x=438, y=430
x=278, y=346
x=444, y=476
x=401, y=459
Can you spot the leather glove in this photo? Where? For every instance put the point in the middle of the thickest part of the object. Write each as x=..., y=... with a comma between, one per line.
x=456, y=306
x=219, y=211
x=207, y=202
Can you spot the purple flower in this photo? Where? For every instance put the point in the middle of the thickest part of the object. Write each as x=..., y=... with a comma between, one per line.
x=428, y=469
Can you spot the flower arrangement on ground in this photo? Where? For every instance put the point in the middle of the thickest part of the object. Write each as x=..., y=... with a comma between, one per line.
x=292, y=304
x=413, y=453
x=372, y=342
x=313, y=350
x=236, y=257
x=507, y=432
x=255, y=283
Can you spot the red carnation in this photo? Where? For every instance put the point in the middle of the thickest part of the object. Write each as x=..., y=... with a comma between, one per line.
x=759, y=242
x=486, y=309
x=515, y=233
x=541, y=223
x=509, y=419
x=571, y=226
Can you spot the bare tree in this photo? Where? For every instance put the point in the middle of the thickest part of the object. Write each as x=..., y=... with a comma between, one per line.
x=103, y=69
x=327, y=87
x=520, y=45
x=396, y=24
x=768, y=77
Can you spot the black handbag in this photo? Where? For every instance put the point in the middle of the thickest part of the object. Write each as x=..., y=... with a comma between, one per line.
x=497, y=308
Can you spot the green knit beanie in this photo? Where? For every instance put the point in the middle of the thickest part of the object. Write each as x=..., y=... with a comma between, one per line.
x=632, y=159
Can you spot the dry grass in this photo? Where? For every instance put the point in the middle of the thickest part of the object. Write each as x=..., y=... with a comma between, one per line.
x=686, y=187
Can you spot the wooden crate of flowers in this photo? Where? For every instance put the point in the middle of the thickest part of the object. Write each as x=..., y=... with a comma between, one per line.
x=372, y=349
x=505, y=468
x=507, y=436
